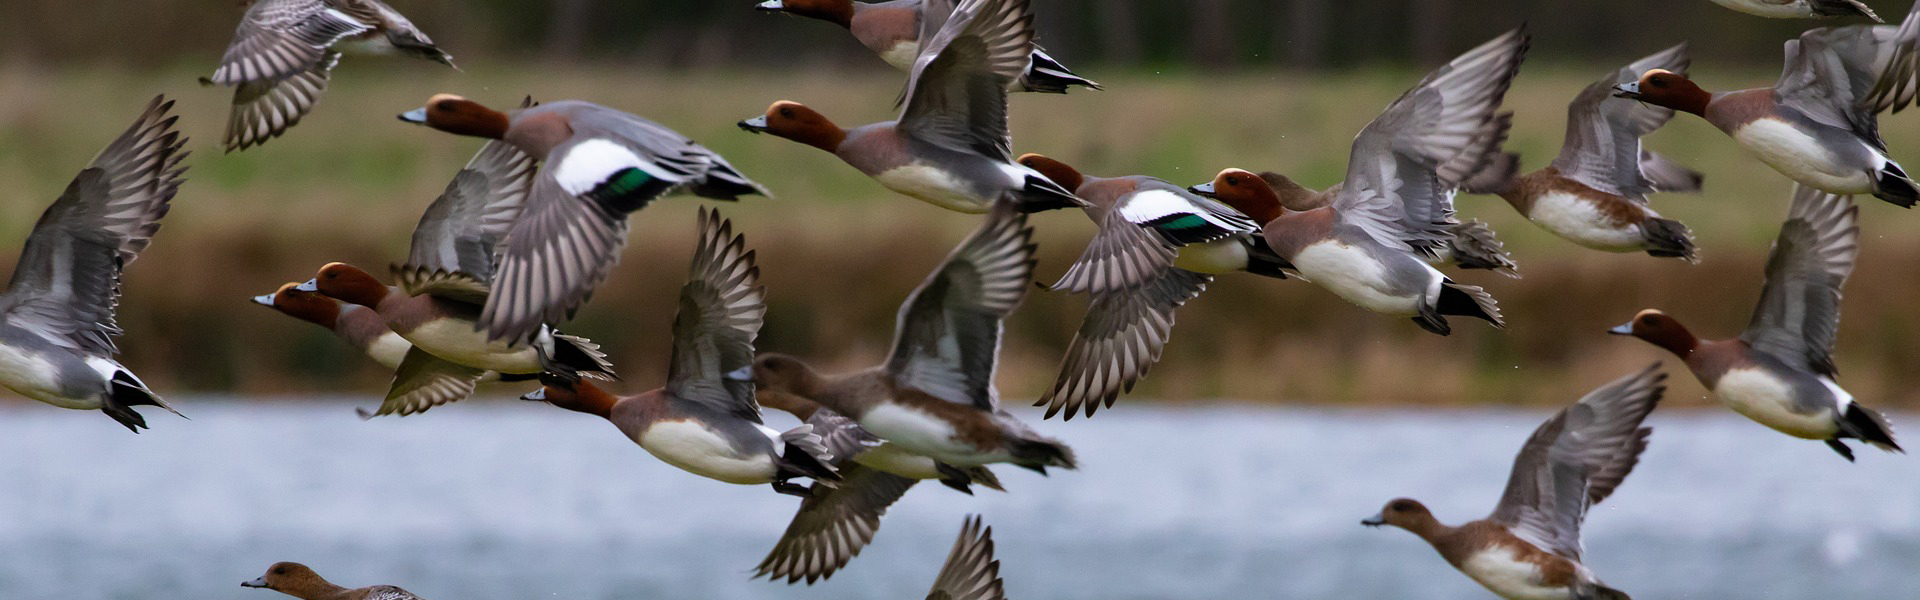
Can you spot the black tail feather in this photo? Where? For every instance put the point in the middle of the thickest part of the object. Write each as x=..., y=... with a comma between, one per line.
x=1468, y=301
x=1869, y=426
x=1893, y=185
x=1041, y=194
x=1668, y=238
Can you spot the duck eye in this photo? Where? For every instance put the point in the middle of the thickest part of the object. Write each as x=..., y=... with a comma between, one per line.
x=445, y=106
x=280, y=571
x=786, y=112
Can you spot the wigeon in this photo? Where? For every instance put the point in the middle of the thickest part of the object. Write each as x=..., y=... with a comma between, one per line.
x=598, y=165
x=1529, y=548
x=295, y=579
x=950, y=146
x=971, y=572
x=705, y=420
x=1780, y=371
x=1396, y=205
x=1158, y=246
x=894, y=29
x=445, y=282
x=1801, y=9
x=1819, y=125
x=283, y=55
x=934, y=396
x=57, y=315
x=1595, y=193
x=835, y=523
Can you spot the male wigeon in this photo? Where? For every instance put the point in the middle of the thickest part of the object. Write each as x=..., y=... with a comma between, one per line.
x=1780, y=371
x=894, y=29
x=934, y=396
x=1529, y=548
x=1396, y=205
x=295, y=579
x=835, y=523
x=1801, y=9
x=445, y=282
x=1819, y=125
x=283, y=55
x=1595, y=193
x=598, y=165
x=971, y=572
x=1157, y=247
x=57, y=315
x=705, y=420
x=950, y=146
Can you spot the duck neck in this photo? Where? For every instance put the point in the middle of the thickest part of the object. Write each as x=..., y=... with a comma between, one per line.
x=589, y=398
x=1693, y=99
x=789, y=402
x=838, y=12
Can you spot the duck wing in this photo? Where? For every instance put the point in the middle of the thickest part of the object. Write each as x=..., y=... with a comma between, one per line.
x=1602, y=149
x=1799, y=312
x=947, y=336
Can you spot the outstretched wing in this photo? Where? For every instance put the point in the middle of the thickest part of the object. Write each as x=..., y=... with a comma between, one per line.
x=1119, y=340
x=1799, y=312
x=956, y=97
x=278, y=39
x=833, y=525
x=1602, y=149
x=721, y=308
x=455, y=246
x=947, y=338
x=971, y=573
x=1844, y=76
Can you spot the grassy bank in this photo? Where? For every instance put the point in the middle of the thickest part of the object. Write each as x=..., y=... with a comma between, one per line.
x=838, y=252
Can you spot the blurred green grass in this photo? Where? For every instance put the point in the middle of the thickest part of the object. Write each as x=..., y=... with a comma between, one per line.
x=839, y=253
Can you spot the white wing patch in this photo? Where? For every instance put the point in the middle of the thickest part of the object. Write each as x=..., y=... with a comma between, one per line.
x=1155, y=204
x=592, y=162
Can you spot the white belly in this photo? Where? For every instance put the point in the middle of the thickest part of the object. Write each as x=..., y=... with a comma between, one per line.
x=32, y=376
x=934, y=186
x=1216, y=257
x=1354, y=275
x=890, y=458
x=1769, y=401
x=389, y=349
x=1771, y=10
x=901, y=54
x=1801, y=158
x=456, y=341
x=1579, y=221
x=921, y=433
x=698, y=450
x=1498, y=570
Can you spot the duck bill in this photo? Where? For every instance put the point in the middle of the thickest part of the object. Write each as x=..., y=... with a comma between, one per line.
x=1374, y=521
x=263, y=299
x=1629, y=89
x=416, y=116
x=1622, y=329
x=312, y=285
x=755, y=125
x=1204, y=189
x=539, y=395
x=258, y=582
x=771, y=6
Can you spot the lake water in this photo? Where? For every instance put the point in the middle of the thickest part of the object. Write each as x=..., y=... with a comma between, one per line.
x=503, y=500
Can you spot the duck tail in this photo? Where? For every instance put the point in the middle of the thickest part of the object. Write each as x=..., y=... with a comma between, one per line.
x=124, y=392
x=1048, y=76
x=1468, y=301
x=806, y=455
x=1039, y=453
x=574, y=356
x=1668, y=238
x=1893, y=185
x=1040, y=194
x=1494, y=178
x=1601, y=592
x=1475, y=247
x=1844, y=8
x=1868, y=426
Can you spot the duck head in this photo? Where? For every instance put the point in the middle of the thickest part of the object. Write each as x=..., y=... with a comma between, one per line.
x=310, y=306
x=1060, y=173
x=457, y=115
x=1405, y=513
x=346, y=283
x=292, y=578
x=780, y=373
x=575, y=395
x=794, y=121
x=1245, y=192
x=1668, y=89
x=1661, y=330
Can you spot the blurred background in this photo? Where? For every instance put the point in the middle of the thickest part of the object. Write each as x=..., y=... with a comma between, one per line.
x=1193, y=87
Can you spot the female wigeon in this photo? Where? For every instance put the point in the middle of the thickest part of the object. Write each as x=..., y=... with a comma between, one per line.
x=295, y=579
x=970, y=573
x=1780, y=371
x=1595, y=193
x=445, y=282
x=1801, y=9
x=1529, y=548
x=893, y=30
x=1158, y=246
x=57, y=315
x=1396, y=205
x=934, y=396
x=1819, y=125
x=705, y=420
x=599, y=165
x=950, y=146
x=834, y=524
x=283, y=54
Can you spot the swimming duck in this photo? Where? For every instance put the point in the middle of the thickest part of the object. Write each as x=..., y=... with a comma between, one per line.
x=1819, y=125
x=705, y=420
x=835, y=523
x=950, y=146
x=934, y=396
x=598, y=165
x=1396, y=205
x=57, y=314
x=283, y=54
x=893, y=30
x=1158, y=246
x=295, y=579
x=1595, y=193
x=1801, y=9
x=970, y=573
x=1780, y=371
x=1529, y=548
